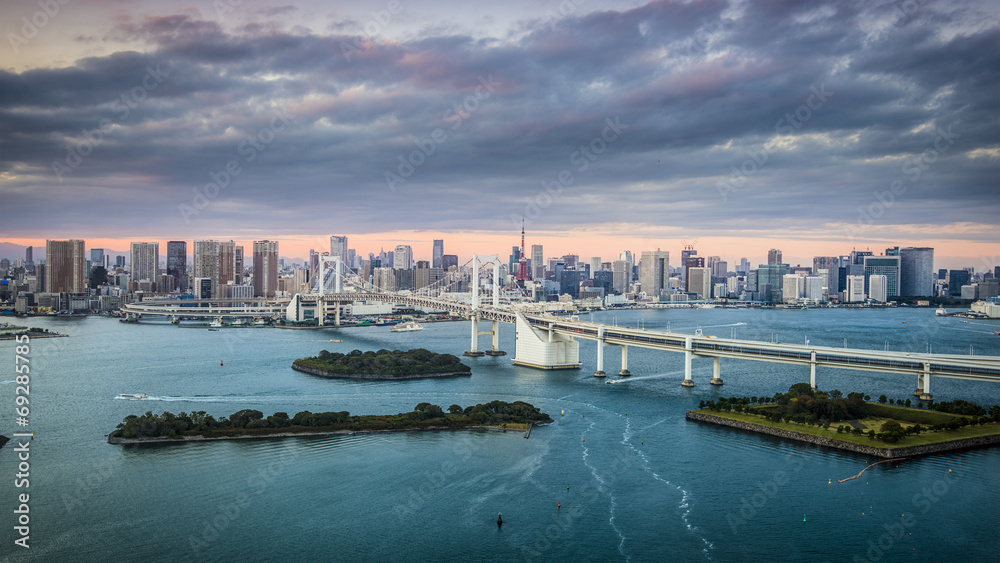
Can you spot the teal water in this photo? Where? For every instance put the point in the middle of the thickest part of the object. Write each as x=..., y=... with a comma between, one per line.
x=645, y=485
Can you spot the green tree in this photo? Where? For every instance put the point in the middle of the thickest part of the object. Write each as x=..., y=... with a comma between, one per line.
x=882, y=399
x=454, y=409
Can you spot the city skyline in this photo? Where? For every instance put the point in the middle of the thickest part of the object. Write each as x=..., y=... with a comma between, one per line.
x=744, y=127
x=553, y=250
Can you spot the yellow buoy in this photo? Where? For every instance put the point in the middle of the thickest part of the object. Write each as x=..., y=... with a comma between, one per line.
x=829, y=482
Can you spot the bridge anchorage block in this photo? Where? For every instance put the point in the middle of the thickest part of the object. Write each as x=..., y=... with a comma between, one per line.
x=716, y=381
x=495, y=353
x=687, y=383
x=599, y=373
x=624, y=373
x=926, y=397
x=473, y=354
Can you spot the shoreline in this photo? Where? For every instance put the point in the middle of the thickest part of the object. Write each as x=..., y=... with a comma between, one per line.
x=881, y=452
x=376, y=377
x=117, y=440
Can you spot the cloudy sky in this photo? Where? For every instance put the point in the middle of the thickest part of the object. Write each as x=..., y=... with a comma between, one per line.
x=811, y=127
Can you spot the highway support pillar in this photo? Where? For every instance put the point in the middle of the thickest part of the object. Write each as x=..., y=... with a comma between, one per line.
x=716, y=380
x=624, y=372
x=495, y=347
x=474, y=349
x=600, y=353
x=687, y=363
x=812, y=370
x=925, y=394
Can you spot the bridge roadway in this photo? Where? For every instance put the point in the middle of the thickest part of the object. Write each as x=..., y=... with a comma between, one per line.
x=983, y=368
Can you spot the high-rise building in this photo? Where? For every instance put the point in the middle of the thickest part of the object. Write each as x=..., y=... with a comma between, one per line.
x=626, y=255
x=831, y=264
x=855, y=289
x=793, y=286
x=28, y=255
x=265, y=268
x=96, y=257
x=176, y=261
x=699, y=281
x=239, y=265
x=338, y=247
x=654, y=272
x=65, y=265
x=595, y=265
x=774, y=257
x=688, y=252
x=145, y=261
x=916, y=271
x=878, y=287
x=569, y=282
x=770, y=281
x=744, y=266
x=537, y=263
x=956, y=279
x=215, y=260
x=887, y=266
x=692, y=261
x=403, y=257
x=437, y=254
x=816, y=287
x=449, y=260
x=619, y=282
x=227, y=263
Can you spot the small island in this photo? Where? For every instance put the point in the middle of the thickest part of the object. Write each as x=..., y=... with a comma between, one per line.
x=247, y=423
x=384, y=364
x=883, y=430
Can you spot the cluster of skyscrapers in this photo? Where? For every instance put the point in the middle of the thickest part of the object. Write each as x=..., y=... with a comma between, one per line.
x=71, y=279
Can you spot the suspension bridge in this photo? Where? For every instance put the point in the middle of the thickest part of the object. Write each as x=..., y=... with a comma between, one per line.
x=546, y=341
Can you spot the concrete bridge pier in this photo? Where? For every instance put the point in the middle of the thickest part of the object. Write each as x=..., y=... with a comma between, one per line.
x=320, y=311
x=716, y=380
x=600, y=353
x=925, y=394
x=624, y=372
x=474, y=349
x=687, y=363
x=495, y=348
x=812, y=370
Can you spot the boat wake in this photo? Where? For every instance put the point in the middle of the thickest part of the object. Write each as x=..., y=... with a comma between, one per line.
x=7, y=382
x=640, y=378
x=611, y=496
x=684, y=505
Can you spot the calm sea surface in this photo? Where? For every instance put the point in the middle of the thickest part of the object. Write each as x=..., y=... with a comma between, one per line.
x=636, y=481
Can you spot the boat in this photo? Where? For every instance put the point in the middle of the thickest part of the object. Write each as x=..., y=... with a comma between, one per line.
x=408, y=326
x=132, y=396
x=941, y=311
x=217, y=323
x=332, y=340
x=996, y=332
x=213, y=330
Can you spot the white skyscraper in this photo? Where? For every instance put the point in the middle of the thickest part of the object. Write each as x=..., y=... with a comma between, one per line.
x=855, y=291
x=595, y=265
x=815, y=287
x=793, y=286
x=403, y=257
x=878, y=287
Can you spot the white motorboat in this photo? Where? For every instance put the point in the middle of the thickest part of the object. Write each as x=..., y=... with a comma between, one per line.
x=132, y=396
x=408, y=326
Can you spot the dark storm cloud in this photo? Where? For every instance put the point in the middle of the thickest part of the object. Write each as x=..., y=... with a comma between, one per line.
x=699, y=86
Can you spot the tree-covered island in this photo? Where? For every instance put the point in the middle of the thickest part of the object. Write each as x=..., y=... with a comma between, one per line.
x=384, y=364
x=247, y=423
x=855, y=423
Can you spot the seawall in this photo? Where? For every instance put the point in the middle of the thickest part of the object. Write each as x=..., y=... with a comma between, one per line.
x=887, y=453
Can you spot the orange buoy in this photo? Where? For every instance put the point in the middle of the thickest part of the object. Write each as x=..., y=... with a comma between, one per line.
x=559, y=505
x=220, y=362
x=584, y=438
